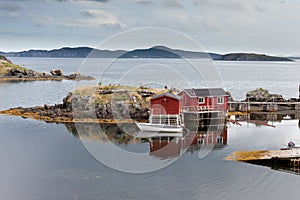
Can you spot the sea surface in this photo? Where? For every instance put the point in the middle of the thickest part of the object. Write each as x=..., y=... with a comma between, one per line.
x=41, y=160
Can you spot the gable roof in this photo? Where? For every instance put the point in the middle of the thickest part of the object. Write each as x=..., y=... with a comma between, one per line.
x=170, y=95
x=205, y=92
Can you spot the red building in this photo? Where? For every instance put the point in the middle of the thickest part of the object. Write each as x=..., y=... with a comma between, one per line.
x=212, y=99
x=165, y=104
x=165, y=109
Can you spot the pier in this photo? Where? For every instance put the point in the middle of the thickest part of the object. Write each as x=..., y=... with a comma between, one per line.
x=273, y=106
x=285, y=159
x=203, y=119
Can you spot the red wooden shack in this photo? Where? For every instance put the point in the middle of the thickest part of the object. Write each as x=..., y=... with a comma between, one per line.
x=212, y=99
x=165, y=104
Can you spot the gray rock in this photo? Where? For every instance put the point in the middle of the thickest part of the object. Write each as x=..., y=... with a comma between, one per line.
x=261, y=95
x=56, y=72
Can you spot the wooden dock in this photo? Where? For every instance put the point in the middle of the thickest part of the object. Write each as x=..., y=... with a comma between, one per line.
x=243, y=106
x=284, y=157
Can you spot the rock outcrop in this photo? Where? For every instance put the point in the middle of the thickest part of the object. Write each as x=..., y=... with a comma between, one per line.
x=262, y=95
x=27, y=74
x=56, y=72
x=89, y=105
x=12, y=72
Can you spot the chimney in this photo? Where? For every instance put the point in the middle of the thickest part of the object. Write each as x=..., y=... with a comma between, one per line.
x=193, y=91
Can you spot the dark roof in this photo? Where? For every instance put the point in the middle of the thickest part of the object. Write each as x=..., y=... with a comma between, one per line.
x=173, y=96
x=206, y=92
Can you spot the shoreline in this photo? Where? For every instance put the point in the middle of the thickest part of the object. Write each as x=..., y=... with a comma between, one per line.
x=36, y=116
x=15, y=79
x=13, y=72
x=125, y=104
x=19, y=112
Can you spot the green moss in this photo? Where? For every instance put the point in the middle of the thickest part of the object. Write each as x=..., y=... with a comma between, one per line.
x=13, y=66
x=3, y=57
x=6, y=65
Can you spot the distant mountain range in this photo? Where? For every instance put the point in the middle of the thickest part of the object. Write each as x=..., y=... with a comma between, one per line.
x=153, y=52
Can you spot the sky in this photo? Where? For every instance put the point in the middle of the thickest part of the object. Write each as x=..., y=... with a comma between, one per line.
x=221, y=26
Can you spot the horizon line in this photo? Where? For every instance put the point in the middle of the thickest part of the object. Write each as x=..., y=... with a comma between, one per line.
x=148, y=47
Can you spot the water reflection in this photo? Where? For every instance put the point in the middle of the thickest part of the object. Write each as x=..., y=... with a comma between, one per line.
x=284, y=165
x=281, y=121
x=165, y=147
x=116, y=133
x=260, y=119
x=293, y=170
x=161, y=145
x=269, y=117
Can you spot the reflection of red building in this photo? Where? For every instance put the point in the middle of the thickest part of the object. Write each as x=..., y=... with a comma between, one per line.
x=211, y=138
x=170, y=147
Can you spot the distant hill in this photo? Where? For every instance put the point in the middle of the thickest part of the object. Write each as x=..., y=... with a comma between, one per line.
x=165, y=52
x=294, y=57
x=153, y=52
x=66, y=52
x=251, y=57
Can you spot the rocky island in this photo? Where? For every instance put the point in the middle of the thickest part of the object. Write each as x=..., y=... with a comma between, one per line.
x=116, y=103
x=95, y=104
x=13, y=72
x=251, y=57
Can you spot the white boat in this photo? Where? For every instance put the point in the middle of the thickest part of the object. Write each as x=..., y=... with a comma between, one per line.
x=149, y=127
x=152, y=134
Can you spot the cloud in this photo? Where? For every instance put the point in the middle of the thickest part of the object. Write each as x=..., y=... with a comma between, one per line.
x=172, y=3
x=224, y=4
x=233, y=5
x=10, y=8
x=96, y=18
x=145, y=2
x=102, y=1
x=259, y=9
x=8, y=33
x=87, y=13
x=165, y=3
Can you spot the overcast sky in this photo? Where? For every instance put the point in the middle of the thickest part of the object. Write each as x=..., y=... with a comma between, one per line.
x=223, y=26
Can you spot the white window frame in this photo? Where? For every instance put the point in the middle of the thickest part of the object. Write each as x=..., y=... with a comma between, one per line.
x=220, y=100
x=203, y=100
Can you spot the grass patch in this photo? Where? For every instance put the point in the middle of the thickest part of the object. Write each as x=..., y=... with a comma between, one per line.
x=245, y=156
x=6, y=65
x=123, y=93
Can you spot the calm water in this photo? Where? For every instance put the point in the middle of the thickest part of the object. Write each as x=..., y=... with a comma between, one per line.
x=237, y=77
x=46, y=161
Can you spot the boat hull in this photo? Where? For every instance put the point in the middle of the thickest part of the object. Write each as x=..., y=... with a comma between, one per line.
x=159, y=128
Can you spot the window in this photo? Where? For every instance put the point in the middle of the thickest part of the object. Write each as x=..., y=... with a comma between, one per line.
x=200, y=141
x=220, y=100
x=219, y=140
x=201, y=100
